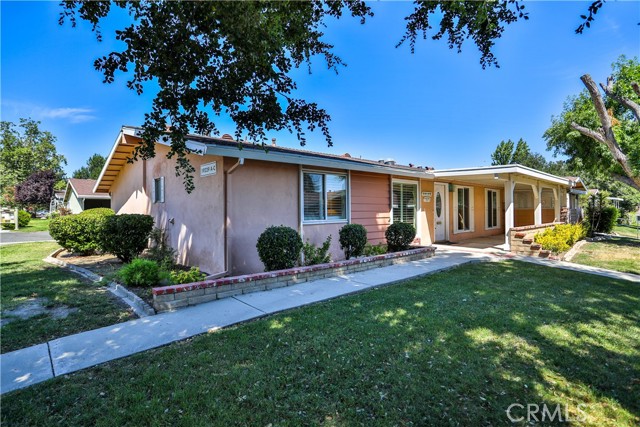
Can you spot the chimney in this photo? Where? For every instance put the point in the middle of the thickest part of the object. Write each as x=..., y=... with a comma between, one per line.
x=273, y=142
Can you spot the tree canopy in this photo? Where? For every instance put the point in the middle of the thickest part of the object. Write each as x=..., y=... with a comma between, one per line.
x=508, y=152
x=92, y=169
x=236, y=58
x=24, y=150
x=37, y=189
x=601, y=133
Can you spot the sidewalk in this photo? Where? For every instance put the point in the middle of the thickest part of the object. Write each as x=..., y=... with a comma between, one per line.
x=38, y=363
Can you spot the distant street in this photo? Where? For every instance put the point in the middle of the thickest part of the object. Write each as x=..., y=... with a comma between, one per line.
x=8, y=237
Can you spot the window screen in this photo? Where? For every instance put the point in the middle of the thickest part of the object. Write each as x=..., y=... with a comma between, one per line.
x=324, y=196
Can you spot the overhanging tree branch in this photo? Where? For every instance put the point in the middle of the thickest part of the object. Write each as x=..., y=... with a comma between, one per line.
x=634, y=107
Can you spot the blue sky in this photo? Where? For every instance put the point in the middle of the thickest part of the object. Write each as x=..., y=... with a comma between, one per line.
x=433, y=108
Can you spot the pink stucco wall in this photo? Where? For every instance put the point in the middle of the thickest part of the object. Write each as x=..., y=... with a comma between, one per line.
x=196, y=231
x=260, y=194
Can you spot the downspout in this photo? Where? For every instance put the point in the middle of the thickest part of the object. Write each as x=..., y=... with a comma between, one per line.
x=239, y=163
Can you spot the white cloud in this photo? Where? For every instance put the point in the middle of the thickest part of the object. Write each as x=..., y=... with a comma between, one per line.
x=38, y=112
x=74, y=115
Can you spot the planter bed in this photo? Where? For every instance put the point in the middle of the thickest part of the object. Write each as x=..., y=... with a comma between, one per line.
x=171, y=297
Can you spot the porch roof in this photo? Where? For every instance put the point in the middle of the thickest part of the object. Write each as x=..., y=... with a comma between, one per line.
x=490, y=175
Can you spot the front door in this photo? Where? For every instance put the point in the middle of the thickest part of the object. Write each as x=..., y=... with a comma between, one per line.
x=440, y=212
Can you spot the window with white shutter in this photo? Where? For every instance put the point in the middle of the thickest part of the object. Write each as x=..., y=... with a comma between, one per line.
x=405, y=202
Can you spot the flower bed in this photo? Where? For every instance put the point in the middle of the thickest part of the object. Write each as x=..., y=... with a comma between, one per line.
x=171, y=297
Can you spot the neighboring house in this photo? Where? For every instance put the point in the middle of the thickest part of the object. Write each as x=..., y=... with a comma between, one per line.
x=57, y=200
x=579, y=188
x=615, y=201
x=239, y=193
x=79, y=196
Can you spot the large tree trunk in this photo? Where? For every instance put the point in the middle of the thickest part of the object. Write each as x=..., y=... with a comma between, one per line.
x=605, y=134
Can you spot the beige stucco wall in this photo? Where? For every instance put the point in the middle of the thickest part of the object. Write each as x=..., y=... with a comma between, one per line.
x=261, y=194
x=479, y=216
x=196, y=231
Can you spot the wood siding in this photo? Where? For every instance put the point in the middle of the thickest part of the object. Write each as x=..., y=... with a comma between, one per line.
x=370, y=204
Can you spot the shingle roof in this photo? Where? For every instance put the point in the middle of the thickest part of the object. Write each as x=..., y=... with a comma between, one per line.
x=84, y=187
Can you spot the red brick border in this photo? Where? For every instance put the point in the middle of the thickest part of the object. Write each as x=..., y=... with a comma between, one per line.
x=170, y=297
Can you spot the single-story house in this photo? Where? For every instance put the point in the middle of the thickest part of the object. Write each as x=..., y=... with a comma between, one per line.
x=240, y=192
x=57, y=200
x=79, y=196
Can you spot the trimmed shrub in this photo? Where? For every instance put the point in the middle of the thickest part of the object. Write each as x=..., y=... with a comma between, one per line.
x=373, y=250
x=600, y=216
x=126, y=235
x=316, y=255
x=279, y=247
x=353, y=239
x=399, y=236
x=140, y=273
x=561, y=237
x=80, y=233
x=192, y=275
x=24, y=218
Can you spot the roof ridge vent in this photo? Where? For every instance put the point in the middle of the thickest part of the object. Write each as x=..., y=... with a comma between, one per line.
x=390, y=162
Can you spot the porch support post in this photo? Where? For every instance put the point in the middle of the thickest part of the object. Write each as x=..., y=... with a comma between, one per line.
x=556, y=204
x=537, y=204
x=509, y=211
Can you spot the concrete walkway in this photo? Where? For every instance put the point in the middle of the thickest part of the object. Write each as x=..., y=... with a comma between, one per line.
x=38, y=363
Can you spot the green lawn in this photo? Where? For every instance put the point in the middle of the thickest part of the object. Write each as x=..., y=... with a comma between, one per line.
x=617, y=253
x=26, y=276
x=626, y=230
x=455, y=348
x=36, y=224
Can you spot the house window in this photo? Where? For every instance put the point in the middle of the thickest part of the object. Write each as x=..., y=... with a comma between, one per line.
x=404, y=202
x=493, y=203
x=464, y=209
x=158, y=190
x=324, y=196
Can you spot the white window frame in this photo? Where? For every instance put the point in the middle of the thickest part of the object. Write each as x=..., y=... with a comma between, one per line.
x=486, y=209
x=417, y=207
x=327, y=220
x=158, y=198
x=471, y=219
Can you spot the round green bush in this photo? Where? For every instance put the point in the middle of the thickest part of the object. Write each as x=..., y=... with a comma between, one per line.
x=24, y=218
x=80, y=233
x=140, y=273
x=279, y=247
x=126, y=235
x=399, y=236
x=353, y=239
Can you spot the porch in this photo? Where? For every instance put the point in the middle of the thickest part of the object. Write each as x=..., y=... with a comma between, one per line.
x=482, y=244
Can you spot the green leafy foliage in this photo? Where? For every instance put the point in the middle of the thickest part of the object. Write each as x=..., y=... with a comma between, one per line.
x=316, y=255
x=239, y=58
x=508, y=152
x=160, y=251
x=92, y=169
x=561, y=237
x=24, y=218
x=279, y=247
x=126, y=235
x=186, y=276
x=353, y=238
x=600, y=216
x=399, y=236
x=373, y=250
x=80, y=233
x=585, y=153
x=24, y=150
x=140, y=273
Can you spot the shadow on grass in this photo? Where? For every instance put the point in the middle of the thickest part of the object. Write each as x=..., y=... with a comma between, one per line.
x=458, y=348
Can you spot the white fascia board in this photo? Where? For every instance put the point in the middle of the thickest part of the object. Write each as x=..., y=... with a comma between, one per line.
x=574, y=191
x=488, y=170
x=310, y=160
x=194, y=147
x=95, y=196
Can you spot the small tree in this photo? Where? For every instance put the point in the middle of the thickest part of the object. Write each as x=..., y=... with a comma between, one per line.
x=600, y=215
x=92, y=169
x=36, y=189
